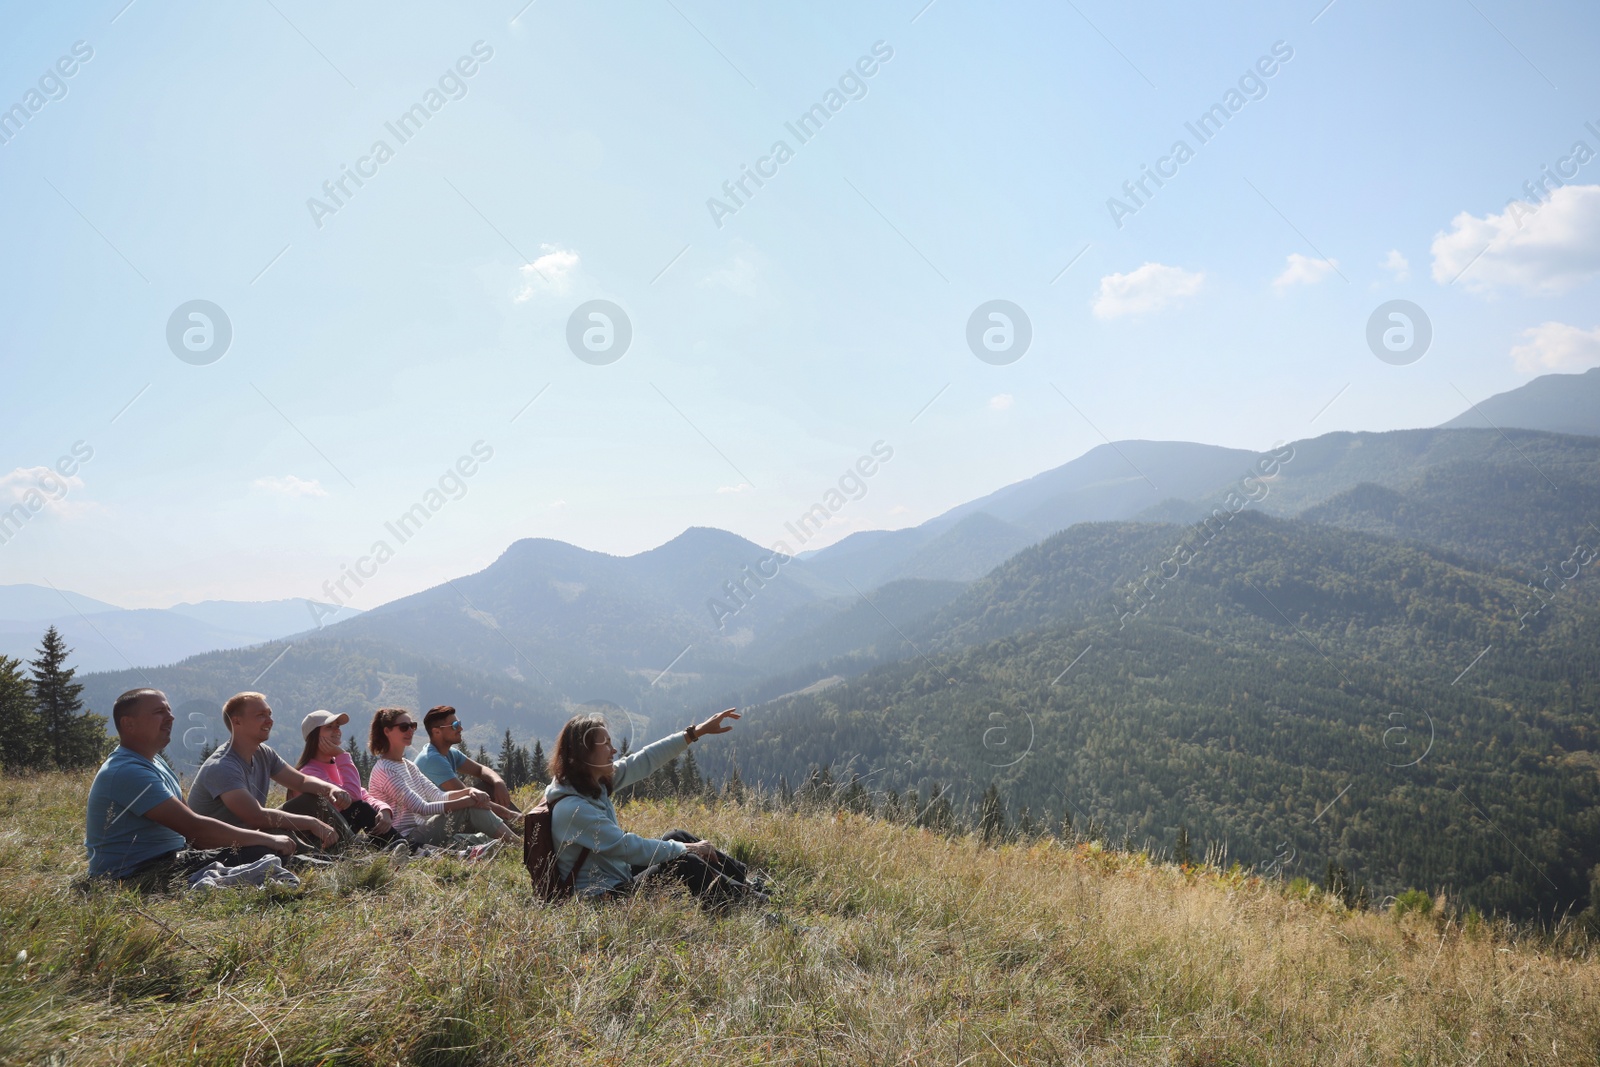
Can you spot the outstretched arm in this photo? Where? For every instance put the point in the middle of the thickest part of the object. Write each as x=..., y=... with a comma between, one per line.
x=717, y=724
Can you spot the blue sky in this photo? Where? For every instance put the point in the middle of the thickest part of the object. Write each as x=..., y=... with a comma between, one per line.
x=373, y=346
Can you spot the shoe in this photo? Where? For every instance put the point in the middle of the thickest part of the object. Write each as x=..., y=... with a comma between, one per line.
x=399, y=854
x=760, y=883
x=483, y=852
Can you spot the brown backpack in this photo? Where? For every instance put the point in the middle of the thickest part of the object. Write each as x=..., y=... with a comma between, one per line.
x=539, y=854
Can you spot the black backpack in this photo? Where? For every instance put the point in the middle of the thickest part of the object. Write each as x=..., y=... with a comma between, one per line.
x=539, y=854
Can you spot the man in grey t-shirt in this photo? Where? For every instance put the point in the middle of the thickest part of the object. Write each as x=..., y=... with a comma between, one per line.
x=232, y=784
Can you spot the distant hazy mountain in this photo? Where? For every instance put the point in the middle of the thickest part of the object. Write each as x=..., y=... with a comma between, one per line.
x=105, y=637
x=268, y=619
x=605, y=626
x=1556, y=403
x=1108, y=482
x=23, y=603
x=122, y=639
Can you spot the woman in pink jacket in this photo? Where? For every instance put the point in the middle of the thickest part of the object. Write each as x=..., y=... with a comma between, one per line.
x=324, y=758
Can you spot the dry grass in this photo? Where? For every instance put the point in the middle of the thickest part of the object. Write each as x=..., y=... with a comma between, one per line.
x=897, y=946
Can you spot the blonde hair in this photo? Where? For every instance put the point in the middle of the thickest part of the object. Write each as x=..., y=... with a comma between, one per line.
x=236, y=703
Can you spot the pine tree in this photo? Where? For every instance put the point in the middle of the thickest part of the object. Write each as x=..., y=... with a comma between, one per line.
x=937, y=814
x=482, y=758
x=1026, y=830
x=361, y=758
x=992, y=816
x=733, y=785
x=540, y=766
x=23, y=743
x=689, y=781
x=1182, y=851
x=893, y=809
x=75, y=738
x=507, y=763
x=855, y=796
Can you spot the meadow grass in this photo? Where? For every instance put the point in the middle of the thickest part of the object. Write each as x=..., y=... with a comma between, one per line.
x=886, y=945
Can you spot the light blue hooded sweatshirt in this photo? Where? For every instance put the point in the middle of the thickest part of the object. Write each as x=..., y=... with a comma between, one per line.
x=578, y=822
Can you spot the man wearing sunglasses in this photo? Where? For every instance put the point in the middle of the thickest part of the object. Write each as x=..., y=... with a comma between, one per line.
x=446, y=765
x=420, y=807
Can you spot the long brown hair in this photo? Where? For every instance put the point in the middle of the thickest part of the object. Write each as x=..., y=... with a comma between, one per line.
x=313, y=748
x=570, y=764
x=382, y=719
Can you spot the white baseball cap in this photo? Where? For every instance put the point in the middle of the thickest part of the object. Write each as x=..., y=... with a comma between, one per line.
x=319, y=719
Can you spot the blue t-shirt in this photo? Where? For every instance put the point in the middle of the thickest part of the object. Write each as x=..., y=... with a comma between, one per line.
x=119, y=837
x=440, y=767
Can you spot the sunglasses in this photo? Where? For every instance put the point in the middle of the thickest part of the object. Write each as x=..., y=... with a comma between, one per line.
x=408, y=727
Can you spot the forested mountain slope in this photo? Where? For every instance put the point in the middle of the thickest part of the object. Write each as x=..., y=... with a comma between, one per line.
x=1296, y=691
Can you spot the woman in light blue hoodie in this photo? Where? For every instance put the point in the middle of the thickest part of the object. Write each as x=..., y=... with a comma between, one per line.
x=609, y=861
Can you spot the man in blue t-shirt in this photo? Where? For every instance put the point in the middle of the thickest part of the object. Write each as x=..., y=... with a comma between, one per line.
x=137, y=820
x=444, y=764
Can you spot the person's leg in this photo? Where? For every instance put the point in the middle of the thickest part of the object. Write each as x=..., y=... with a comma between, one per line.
x=705, y=882
x=304, y=804
x=319, y=808
x=432, y=830
x=360, y=815
x=726, y=864
x=484, y=821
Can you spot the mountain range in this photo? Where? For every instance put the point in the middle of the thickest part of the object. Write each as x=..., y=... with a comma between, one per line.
x=106, y=637
x=1191, y=636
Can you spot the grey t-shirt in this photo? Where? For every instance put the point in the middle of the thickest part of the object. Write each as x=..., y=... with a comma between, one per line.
x=224, y=772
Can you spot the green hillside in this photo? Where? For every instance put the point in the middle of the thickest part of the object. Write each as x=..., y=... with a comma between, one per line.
x=1294, y=692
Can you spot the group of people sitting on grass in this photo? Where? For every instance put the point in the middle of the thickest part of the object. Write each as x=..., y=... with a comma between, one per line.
x=140, y=828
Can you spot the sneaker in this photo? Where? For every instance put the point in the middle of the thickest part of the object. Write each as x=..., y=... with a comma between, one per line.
x=399, y=854
x=483, y=852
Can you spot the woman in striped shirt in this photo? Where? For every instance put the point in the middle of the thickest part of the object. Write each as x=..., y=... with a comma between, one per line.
x=420, y=807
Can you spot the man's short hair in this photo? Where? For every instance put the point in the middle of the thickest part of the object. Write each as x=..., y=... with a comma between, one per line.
x=129, y=702
x=438, y=716
x=236, y=703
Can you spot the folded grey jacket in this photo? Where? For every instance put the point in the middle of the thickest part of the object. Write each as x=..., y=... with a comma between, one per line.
x=578, y=822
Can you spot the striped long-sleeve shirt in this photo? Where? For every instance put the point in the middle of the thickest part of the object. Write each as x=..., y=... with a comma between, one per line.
x=402, y=785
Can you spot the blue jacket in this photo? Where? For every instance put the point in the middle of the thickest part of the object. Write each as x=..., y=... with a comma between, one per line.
x=578, y=822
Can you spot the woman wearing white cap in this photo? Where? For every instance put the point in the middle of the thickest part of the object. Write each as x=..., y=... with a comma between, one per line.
x=324, y=758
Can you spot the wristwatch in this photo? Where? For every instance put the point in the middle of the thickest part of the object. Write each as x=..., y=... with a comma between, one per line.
x=689, y=735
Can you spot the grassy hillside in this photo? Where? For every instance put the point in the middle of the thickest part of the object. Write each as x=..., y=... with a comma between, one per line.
x=894, y=946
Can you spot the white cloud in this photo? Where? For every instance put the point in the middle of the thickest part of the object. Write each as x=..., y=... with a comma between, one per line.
x=739, y=277
x=1303, y=270
x=557, y=505
x=1538, y=248
x=1555, y=347
x=550, y=273
x=1150, y=288
x=1001, y=402
x=38, y=489
x=289, y=485
x=741, y=487
x=1397, y=265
